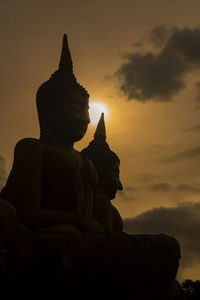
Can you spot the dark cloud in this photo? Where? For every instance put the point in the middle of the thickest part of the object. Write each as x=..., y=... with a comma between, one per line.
x=187, y=188
x=193, y=129
x=2, y=172
x=191, y=153
x=159, y=35
x=165, y=187
x=160, y=187
x=138, y=44
x=158, y=75
x=195, y=152
x=182, y=222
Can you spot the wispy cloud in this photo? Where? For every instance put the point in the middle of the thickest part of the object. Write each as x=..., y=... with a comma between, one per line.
x=188, y=154
x=195, y=128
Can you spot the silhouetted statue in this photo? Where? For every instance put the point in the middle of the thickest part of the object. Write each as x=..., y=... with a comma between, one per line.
x=50, y=182
x=51, y=239
x=107, y=165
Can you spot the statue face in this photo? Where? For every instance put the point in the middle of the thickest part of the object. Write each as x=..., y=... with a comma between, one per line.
x=110, y=181
x=71, y=118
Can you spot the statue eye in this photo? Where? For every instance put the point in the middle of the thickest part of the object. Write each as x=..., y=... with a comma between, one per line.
x=76, y=106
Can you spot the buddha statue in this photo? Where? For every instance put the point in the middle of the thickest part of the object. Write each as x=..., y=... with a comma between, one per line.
x=50, y=182
x=107, y=164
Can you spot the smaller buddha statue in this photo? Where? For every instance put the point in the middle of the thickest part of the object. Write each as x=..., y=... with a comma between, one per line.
x=107, y=165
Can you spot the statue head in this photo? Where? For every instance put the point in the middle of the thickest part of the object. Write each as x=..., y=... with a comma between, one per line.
x=62, y=103
x=105, y=161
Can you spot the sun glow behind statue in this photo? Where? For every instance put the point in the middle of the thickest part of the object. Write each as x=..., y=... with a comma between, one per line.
x=95, y=110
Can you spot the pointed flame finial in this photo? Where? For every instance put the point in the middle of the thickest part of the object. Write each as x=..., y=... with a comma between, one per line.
x=101, y=129
x=65, y=58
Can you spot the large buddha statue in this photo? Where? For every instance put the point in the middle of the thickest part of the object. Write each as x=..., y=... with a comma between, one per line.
x=107, y=165
x=50, y=182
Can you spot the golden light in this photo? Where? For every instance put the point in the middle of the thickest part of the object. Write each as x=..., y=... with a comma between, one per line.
x=95, y=110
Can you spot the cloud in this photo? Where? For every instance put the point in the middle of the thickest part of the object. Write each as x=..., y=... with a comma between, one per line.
x=191, y=153
x=196, y=108
x=161, y=73
x=188, y=188
x=159, y=35
x=127, y=194
x=182, y=222
x=188, y=154
x=193, y=129
x=165, y=187
x=171, y=191
x=2, y=172
x=160, y=187
x=146, y=177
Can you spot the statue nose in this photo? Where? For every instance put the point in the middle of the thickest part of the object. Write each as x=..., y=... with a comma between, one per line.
x=83, y=120
x=86, y=119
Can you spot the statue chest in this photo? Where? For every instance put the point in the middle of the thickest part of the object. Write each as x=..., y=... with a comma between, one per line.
x=61, y=170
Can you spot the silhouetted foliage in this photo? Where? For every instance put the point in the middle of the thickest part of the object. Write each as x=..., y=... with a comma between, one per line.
x=191, y=289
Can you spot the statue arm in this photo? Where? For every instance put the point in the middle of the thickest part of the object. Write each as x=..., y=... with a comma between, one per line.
x=102, y=211
x=89, y=176
x=26, y=174
x=93, y=184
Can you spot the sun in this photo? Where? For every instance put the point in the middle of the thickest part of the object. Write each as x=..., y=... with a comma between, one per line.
x=95, y=110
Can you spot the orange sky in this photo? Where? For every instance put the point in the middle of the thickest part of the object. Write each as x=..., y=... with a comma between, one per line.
x=154, y=139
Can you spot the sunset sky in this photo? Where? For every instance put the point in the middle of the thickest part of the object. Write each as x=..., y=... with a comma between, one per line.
x=141, y=59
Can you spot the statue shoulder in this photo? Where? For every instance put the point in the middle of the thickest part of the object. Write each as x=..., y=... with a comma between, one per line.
x=27, y=143
x=27, y=147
